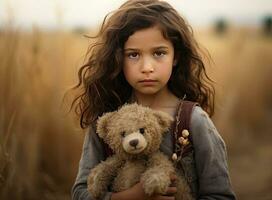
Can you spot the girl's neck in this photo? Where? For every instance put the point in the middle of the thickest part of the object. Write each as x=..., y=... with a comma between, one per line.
x=164, y=101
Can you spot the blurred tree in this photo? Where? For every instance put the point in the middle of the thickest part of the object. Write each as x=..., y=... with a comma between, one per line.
x=267, y=25
x=220, y=26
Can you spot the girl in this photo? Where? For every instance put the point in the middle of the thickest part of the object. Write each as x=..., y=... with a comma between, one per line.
x=145, y=52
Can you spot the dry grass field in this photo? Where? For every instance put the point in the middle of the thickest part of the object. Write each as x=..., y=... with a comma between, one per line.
x=40, y=144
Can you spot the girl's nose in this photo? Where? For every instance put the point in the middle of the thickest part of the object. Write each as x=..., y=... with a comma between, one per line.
x=147, y=66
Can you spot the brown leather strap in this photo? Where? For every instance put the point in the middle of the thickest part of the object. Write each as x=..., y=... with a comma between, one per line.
x=184, y=116
x=186, y=113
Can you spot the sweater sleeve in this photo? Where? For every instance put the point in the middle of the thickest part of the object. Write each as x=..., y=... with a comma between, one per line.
x=210, y=159
x=92, y=154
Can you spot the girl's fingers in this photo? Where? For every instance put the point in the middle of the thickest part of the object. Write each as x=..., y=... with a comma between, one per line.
x=171, y=190
x=169, y=196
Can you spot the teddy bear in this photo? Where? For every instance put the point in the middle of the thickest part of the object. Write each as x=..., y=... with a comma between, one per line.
x=134, y=133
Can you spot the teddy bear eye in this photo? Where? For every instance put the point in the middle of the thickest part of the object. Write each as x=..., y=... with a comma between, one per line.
x=142, y=130
x=123, y=134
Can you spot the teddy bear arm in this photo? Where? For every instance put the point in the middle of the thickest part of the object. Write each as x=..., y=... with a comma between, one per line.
x=102, y=175
x=161, y=162
x=156, y=179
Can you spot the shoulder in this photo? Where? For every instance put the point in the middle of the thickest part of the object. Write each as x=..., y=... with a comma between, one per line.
x=91, y=137
x=93, y=148
x=200, y=120
x=204, y=132
x=199, y=116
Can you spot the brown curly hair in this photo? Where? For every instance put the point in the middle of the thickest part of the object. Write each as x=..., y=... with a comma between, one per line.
x=101, y=80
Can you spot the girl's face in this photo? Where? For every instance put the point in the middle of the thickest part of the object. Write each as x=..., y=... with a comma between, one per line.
x=148, y=61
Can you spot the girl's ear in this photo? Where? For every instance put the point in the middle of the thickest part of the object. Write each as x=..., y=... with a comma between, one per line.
x=103, y=123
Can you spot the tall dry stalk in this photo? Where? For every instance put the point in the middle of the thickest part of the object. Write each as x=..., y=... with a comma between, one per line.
x=38, y=144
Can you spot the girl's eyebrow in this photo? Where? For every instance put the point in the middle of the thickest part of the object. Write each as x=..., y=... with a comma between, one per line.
x=154, y=48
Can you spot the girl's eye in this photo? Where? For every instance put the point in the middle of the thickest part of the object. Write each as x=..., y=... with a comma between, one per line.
x=123, y=134
x=133, y=55
x=159, y=53
x=142, y=130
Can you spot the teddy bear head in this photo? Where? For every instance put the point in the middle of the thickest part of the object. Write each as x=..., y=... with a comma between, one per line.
x=133, y=130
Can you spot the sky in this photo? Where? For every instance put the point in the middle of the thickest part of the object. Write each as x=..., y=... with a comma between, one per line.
x=89, y=13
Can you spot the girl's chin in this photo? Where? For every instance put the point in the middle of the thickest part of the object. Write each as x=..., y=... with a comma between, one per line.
x=146, y=92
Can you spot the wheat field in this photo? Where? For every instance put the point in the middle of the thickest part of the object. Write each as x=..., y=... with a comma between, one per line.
x=40, y=143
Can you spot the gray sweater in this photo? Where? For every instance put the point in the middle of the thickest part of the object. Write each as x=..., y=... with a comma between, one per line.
x=205, y=168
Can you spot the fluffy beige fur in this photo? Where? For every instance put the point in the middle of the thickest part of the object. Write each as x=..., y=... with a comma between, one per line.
x=135, y=133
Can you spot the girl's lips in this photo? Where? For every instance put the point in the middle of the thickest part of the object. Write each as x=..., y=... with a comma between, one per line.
x=147, y=81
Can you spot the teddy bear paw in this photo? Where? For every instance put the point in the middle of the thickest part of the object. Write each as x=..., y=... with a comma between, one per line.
x=155, y=184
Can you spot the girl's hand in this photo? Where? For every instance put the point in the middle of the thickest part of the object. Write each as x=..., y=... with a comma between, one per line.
x=137, y=193
x=169, y=196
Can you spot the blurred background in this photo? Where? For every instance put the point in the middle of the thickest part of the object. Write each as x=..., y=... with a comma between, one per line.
x=42, y=46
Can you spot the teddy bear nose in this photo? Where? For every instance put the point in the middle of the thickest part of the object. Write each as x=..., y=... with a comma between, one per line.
x=134, y=142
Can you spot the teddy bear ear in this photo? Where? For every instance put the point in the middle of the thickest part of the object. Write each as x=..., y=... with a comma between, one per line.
x=102, y=124
x=164, y=120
